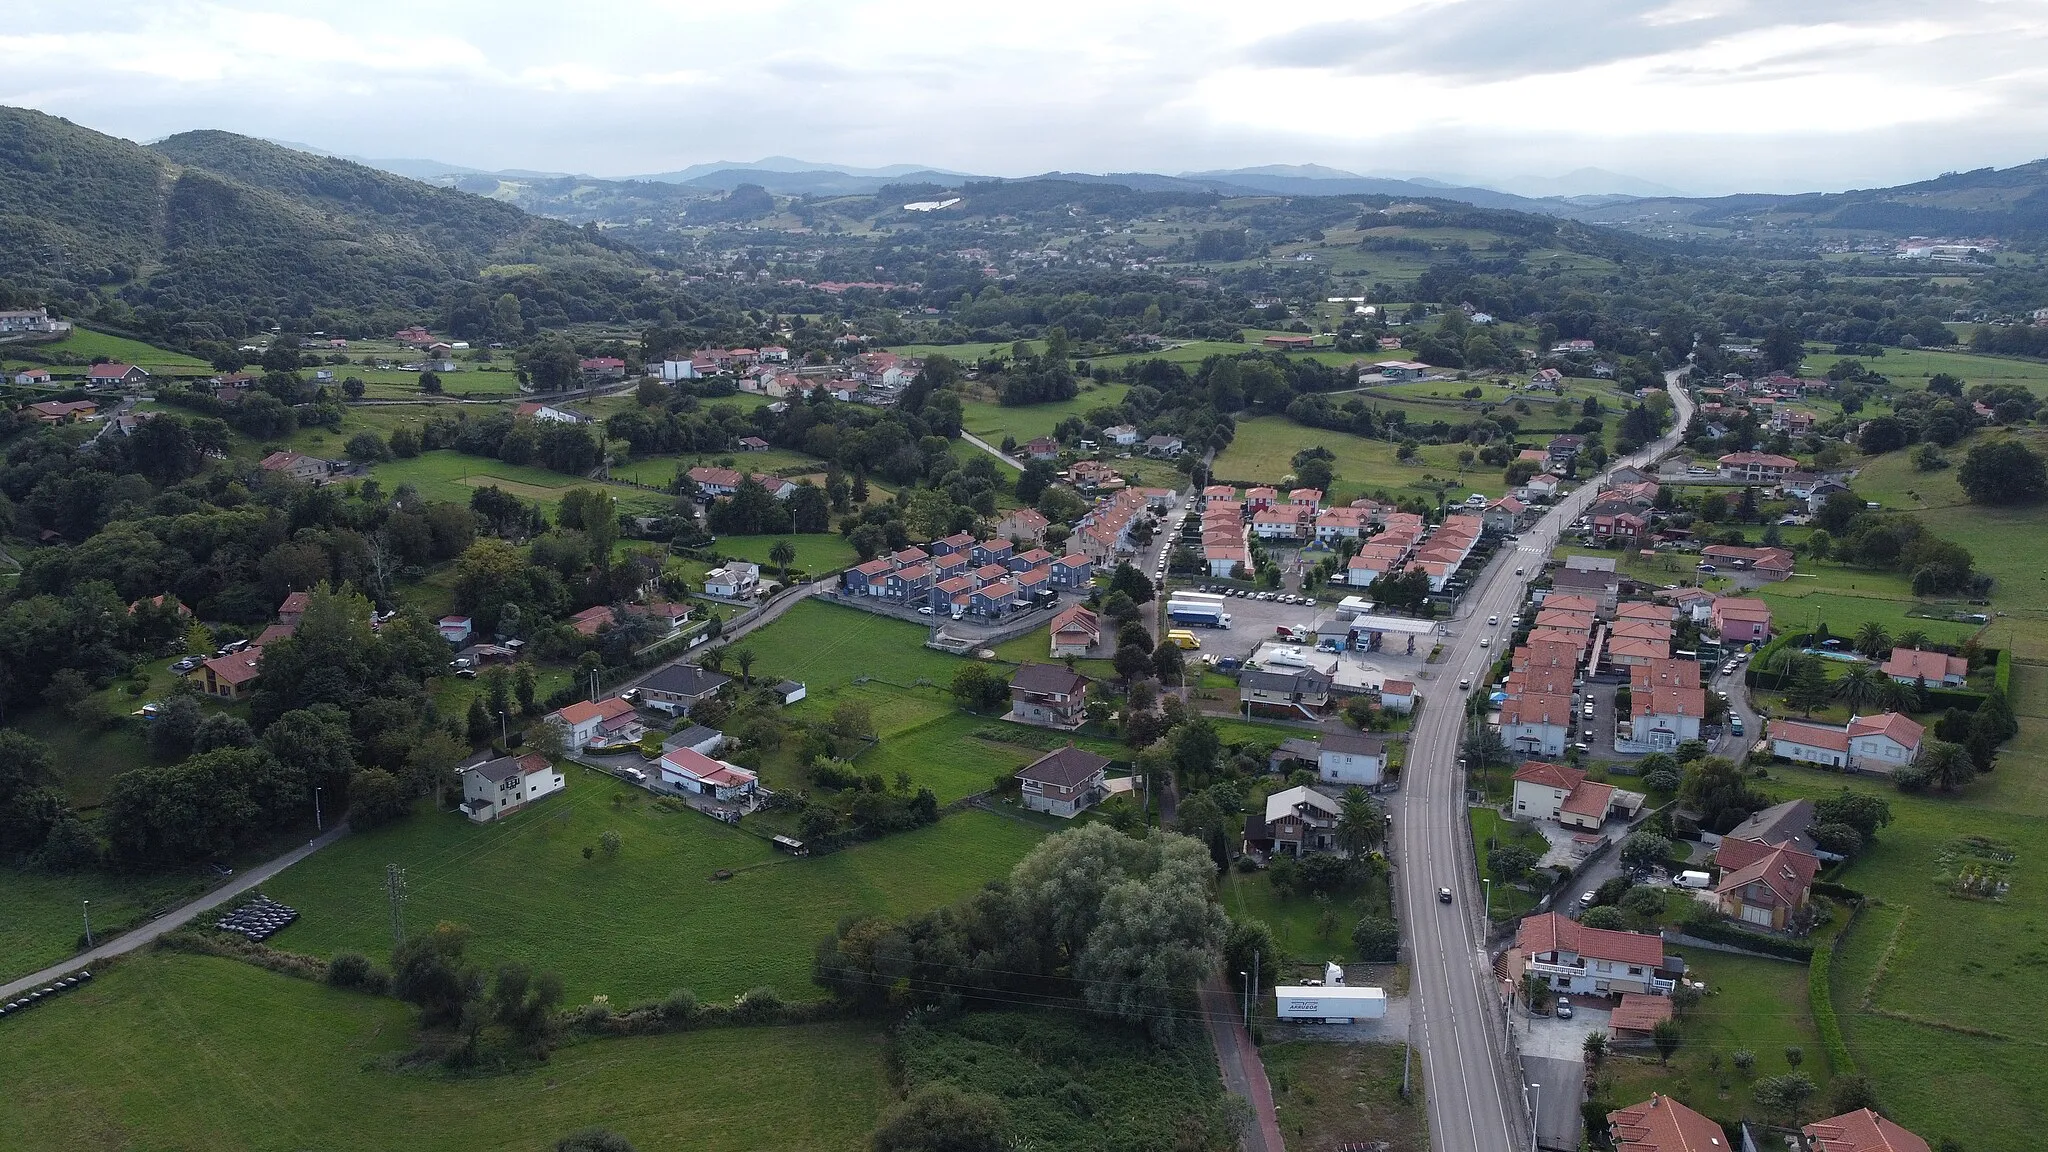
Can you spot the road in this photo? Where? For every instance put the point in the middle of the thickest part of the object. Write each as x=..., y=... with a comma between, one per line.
x=991, y=449
x=1244, y=1074
x=1473, y=1106
x=177, y=918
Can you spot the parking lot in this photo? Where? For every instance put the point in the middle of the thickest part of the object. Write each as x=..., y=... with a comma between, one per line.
x=1253, y=621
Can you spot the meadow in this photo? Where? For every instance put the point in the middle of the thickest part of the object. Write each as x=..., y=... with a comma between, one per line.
x=1263, y=452
x=175, y=1051
x=650, y=920
x=1911, y=368
x=1296, y=920
x=89, y=344
x=445, y=474
x=1330, y=1097
x=816, y=552
x=1026, y=422
x=42, y=915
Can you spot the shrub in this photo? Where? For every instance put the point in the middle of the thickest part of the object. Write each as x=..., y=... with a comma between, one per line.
x=1377, y=939
x=354, y=970
x=761, y=1005
x=1820, y=991
x=942, y=1118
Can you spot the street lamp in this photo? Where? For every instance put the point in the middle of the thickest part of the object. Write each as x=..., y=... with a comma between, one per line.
x=1488, y=922
x=319, y=825
x=1535, y=1114
x=88, y=922
x=1247, y=978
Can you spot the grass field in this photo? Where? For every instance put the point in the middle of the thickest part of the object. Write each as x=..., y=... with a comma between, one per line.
x=1755, y=1004
x=830, y=646
x=86, y=343
x=944, y=755
x=1026, y=422
x=1263, y=451
x=1295, y=920
x=1490, y=827
x=652, y=919
x=816, y=552
x=446, y=474
x=1910, y=368
x=1334, y=1096
x=168, y=1051
x=659, y=470
x=42, y=916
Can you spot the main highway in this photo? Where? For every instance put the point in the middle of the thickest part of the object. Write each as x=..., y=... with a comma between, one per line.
x=1474, y=1106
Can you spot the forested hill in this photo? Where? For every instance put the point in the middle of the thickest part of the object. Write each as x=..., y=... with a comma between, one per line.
x=209, y=229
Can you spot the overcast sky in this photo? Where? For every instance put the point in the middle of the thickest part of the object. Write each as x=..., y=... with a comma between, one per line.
x=1708, y=96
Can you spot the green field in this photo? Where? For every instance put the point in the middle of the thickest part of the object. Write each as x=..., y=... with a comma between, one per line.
x=168, y=1051
x=446, y=474
x=1910, y=368
x=659, y=470
x=42, y=916
x=86, y=343
x=1329, y=1096
x=1296, y=920
x=648, y=921
x=1507, y=900
x=1263, y=452
x=1026, y=422
x=816, y=552
x=830, y=646
x=1755, y=1004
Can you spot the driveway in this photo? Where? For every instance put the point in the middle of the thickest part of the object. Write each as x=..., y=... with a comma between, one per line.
x=1555, y=1088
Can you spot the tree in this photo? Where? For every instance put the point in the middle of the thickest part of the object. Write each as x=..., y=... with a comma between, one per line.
x=1744, y=1061
x=1643, y=905
x=1946, y=766
x=405, y=442
x=980, y=690
x=940, y=1117
x=594, y=1140
x=1784, y=1095
x=782, y=555
x=1377, y=939
x=366, y=447
x=1605, y=916
x=429, y=972
x=2003, y=472
x=1666, y=1036
x=1132, y=663
x=1862, y=811
x=1872, y=639
x=376, y=798
x=1168, y=662
x=1360, y=822
x=1644, y=852
x=744, y=657
x=1130, y=582
x=1808, y=686
x=1510, y=862
x=1246, y=940
x=1863, y=688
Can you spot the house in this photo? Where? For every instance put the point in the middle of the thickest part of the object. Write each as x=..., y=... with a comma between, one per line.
x=1292, y=752
x=1604, y=588
x=1667, y=707
x=1024, y=524
x=734, y=580
x=1504, y=514
x=501, y=787
x=603, y=724
x=1121, y=435
x=1296, y=821
x=789, y=692
x=1540, y=488
x=1278, y=523
x=534, y=410
x=1397, y=696
x=1396, y=370
x=1074, y=632
x=1571, y=958
x=1788, y=823
x=115, y=376
x=1545, y=791
x=690, y=771
x=1166, y=446
x=1916, y=665
x=666, y=615
x=753, y=444
x=228, y=677
x=1289, y=342
x=1072, y=572
x=1048, y=695
x=1762, y=884
x=305, y=468
x=1770, y=563
x=696, y=737
x=592, y=620
x=1740, y=620
x=28, y=320
x=294, y=607
x=1352, y=758
x=1882, y=743
x=1661, y=1124
x=1302, y=692
x=31, y=376
x=675, y=688
x=1536, y=725
x=455, y=629
x=1756, y=467
x=712, y=481
x=1860, y=1131
x=602, y=367
x=1042, y=448
x=1064, y=782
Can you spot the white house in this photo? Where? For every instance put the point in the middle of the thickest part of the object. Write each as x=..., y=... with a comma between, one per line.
x=1882, y=743
x=1913, y=665
x=737, y=580
x=1122, y=435
x=1569, y=957
x=1397, y=696
x=1352, y=758
x=688, y=770
x=1666, y=715
x=534, y=410
x=500, y=787
x=455, y=629
x=602, y=723
x=674, y=370
x=1536, y=724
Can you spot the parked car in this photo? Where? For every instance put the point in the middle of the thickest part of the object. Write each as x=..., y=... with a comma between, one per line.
x=1735, y=725
x=924, y=609
x=1564, y=1008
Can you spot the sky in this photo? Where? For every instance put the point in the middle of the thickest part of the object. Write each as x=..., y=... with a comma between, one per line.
x=1704, y=96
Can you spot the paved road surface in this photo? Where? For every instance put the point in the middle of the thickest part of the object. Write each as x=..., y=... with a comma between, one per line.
x=1244, y=1074
x=135, y=938
x=991, y=449
x=1472, y=1105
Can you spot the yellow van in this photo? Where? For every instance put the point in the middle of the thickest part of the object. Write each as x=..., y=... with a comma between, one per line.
x=1184, y=639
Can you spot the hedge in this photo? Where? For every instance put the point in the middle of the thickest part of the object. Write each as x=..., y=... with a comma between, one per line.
x=1722, y=932
x=1835, y=891
x=2003, y=676
x=1941, y=699
x=1820, y=990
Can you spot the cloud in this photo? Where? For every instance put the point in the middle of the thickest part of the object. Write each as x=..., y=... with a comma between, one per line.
x=1706, y=94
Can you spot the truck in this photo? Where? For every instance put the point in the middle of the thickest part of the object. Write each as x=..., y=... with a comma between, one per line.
x=1185, y=597
x=1183, y=639
x=1204, y=615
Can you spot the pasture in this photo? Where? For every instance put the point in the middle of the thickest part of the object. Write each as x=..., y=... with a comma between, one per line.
x=1911, y=368
x=445, y=474
x=86, y=344
x=1263, y=451
x=992, y=421
x=42, y=914
x=653, y=918
x=175, y=1051
x=816, y=552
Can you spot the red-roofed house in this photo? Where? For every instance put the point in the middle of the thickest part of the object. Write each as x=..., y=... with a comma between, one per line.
x=1883, y=743
x=1636, y=1018
x=687, y=770
x=1572, y=958
x=294, y=607
x=1912, y=665
x=1661, y=1124
x=1536, y=725
x=500, y=787
x=1762, y=884
x=1740, y=620
x=1860, y=1131
x=602, y=367
x=1074, y=632
x=115, y=375
x=1545, y=791
x=294, y=465
x=1756, y=467
x=228, y=677
x=592, y=620
x=602, y=723
x=1397, y=696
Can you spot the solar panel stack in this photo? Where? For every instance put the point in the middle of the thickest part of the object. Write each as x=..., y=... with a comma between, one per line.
x=259, y=919
x=53, y=989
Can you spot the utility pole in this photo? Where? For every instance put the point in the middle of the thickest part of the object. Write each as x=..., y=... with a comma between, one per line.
x=394, y=890
x=319, y=825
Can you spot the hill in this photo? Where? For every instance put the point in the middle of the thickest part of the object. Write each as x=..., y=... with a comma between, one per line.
x=225, y=227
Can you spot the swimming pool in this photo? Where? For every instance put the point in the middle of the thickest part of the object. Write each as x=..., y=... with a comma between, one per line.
x=1825, y=654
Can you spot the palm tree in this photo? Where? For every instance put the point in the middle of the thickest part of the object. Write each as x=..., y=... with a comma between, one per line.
x=1872, y=639
x=782, y=556
x=1360, y=823
x=1912, y=638
x=1948, y=766
x=744, y=657
x=713, y=659
x=1863, y=688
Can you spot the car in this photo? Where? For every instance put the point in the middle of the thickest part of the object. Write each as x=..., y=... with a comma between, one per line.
x=1587, y=897
x=1443, y=895
x=1735, y=725
x=1485, y=641
x=184, y=665
x=466, y=673
x=1707, y=568
x=1492, y=620
x=1564, y=1008
x=220, y=869
x=1465, y=683
x=924, y=609
x=1518, y=571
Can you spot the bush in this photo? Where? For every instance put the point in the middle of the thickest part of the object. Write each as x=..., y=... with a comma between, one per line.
x=1708, y=925
x=942, y=1118
x=594, y=1140
x=761, y=1005
x=353, y=970
x=1820, y=990
x=1378, y=940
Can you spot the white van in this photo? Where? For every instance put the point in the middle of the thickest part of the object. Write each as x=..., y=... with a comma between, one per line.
x=1692, y=880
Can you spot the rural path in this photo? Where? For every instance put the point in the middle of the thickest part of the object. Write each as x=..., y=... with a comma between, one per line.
x=767, y=615
x=1244, y=1074
x=178, y=917
x=991, y=449
x=1475, y=1102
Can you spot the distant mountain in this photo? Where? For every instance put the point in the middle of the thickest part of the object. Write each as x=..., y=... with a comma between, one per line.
x=789, y=165
x=1304, y=171
x=220, y=225
x=1583, y=182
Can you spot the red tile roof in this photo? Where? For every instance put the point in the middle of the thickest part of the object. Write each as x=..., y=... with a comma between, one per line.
x=1932, y=666
x=1551, y=932
x=584, y=711
x=1785, y=870
x=1861, y=1131
x=1661, y=1124
x=1900, y=728
x=1811, y=735
x=1555, y=776
x=1639, y=1012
